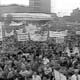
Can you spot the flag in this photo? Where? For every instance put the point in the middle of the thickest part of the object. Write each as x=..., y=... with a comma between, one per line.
x=62, y=77
x=59, y=76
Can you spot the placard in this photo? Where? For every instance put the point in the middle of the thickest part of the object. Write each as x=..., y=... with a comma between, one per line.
x=57, y=34
x=38, y=37
x=23, y=37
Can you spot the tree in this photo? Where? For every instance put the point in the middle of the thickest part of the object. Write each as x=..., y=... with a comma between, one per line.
x=8, y=19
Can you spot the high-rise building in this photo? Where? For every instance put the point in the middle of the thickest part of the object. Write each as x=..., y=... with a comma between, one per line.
x=40, y=6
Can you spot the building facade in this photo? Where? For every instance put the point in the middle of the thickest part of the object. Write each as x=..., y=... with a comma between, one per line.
x=35, y=6
x=42, y=6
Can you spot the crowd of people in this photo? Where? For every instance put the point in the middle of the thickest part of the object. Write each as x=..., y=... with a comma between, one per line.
x=37, y=61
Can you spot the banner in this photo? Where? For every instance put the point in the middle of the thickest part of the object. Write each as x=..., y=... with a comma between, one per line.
x=16, y=24
x=57, y=34
x=38, y=37
x=9, y=34
x=30, y=16
x=78, y=32
x=20, y=31
x=23, y=37
x=59, y=76
x=31, y=28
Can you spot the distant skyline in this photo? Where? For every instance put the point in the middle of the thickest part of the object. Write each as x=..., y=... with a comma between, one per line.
x=61, y=7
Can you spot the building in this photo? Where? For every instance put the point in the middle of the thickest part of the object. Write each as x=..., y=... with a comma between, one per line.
x=37, y=6
x=43, y=6
x=26, y=18
x=13, y=9
x=29, y=16
x=75, y=12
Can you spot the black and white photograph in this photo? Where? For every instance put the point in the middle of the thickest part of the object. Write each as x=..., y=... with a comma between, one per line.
x=39, y=39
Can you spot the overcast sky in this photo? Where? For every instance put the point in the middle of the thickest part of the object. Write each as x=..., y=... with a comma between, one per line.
x=61, y=7
x=23, y=2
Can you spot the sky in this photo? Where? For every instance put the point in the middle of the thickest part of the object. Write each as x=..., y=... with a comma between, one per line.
x=21, y=2
x=61, y=7
x=64, y=7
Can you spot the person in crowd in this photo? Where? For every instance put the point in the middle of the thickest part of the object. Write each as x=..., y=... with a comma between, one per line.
x=76, y=75
x=35, y=76
x=37, y=61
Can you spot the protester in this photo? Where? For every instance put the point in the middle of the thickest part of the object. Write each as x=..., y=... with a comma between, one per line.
x=76, y=75
x=37, y=61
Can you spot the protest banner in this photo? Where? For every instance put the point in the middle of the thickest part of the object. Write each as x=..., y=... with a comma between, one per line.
x=9, y=34
x=57, y=34
x=38, y=37
x=23, y=37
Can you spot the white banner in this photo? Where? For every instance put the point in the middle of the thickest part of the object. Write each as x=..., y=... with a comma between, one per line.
x=78, y=32
x=16, y=24
x=30, y=15
x=23, y=37
x=58, y=34
x=31, y=28
x=38, y=37
x=9, y=34
x=20, y=31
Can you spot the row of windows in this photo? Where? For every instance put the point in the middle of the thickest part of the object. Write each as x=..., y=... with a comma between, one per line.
x=35, y=3
x=34, y=0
